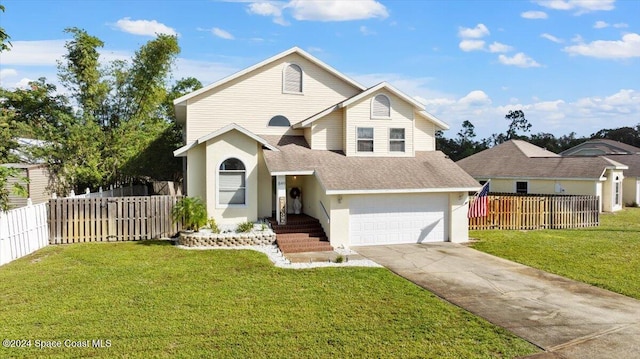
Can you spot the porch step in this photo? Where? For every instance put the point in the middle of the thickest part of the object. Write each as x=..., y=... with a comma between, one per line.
x=301, y=234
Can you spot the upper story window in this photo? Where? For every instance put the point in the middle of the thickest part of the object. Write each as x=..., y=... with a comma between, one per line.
x=396, y=140
x=280, y=121
x=380, y=107
x=365, y=139
x=232, y=182
x=292, y=79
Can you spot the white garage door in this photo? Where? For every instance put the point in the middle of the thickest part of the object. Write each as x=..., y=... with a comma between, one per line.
x=394, y=219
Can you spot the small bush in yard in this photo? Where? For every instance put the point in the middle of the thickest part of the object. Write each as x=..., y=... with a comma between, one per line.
x=244, y=227
x=191, y=211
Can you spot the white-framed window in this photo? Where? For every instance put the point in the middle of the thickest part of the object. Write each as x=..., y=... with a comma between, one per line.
x=279, y=121
x=292, y=79
x=232, y=182
x=365, y=139
x=522, y=187
x=381, y=107
x=396, y=140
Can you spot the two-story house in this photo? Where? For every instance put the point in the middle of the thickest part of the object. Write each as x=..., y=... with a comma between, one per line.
x=292, y=134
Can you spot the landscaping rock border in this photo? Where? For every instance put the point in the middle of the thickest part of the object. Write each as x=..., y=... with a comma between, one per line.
x=203, y=239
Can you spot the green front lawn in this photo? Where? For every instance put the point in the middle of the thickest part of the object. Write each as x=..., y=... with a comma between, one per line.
x=150, y=299
x=607, y=256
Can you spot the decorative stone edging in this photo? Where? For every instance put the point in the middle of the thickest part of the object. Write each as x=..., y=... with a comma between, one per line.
x=203, y=239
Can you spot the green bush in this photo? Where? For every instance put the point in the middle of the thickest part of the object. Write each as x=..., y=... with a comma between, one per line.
x=244, y=227
x=191, y=211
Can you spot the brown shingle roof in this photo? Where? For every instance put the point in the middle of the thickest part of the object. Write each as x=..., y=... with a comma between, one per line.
x=337, y=172
x=508, y=161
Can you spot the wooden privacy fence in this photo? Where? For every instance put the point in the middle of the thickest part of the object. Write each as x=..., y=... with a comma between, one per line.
x=73, y=220
x=538, y=212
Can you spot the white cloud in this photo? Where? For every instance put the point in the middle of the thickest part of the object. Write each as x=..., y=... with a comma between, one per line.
x=34, y=53
x=499, y=47
x=519, y=60
x=621, y=25
x=269, y=8
x=7, y=72
x=143, y=27
x=337, y=10
x=23, y=83
x=205, y=71
x=475, y=98
x=471, y=45
x=534, y=15
x=319, y=10
x=552, y=38
x=222, y=33
x=600, y=25
x=366, y=31
x=578, y=6
x=477, y=32
x=627, y=47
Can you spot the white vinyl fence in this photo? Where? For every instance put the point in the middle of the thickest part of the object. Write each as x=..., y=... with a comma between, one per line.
x=23, y=231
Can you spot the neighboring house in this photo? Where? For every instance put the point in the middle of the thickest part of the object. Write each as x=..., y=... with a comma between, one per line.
x=361, y=160
x=620, y=152
x=519, y=167
x=38, y=177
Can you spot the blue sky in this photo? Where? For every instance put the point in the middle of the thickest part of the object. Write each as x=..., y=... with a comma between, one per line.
x=569, y=65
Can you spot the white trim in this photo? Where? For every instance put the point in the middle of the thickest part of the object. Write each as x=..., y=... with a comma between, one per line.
x=545, y=178
x=293, y=173
x=413, y=190
x=284, y=79
x=180, y=151
x=433, y=119
x=299, y=51
x=319, y=115
x=246, y=189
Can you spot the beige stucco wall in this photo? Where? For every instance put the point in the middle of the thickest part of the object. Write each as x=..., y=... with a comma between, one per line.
x=237, y=145
x=266, y=190
x=197, y=173
x=339, y=229
x=254, y=98
x=458, y=220
x=359, y=115
x=312, y=195
x=631, y=190
x=544, y=186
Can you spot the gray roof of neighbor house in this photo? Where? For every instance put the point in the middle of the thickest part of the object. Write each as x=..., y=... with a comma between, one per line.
x=337, y=173
x=519, y=159
x=633, y=161
x=601, y=147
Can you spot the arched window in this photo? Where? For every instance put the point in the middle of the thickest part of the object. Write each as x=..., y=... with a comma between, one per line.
x=380, y=107
x=232, y=182
x=292, y=79
x=279, y=120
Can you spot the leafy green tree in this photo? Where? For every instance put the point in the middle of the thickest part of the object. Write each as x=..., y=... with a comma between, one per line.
x=5, y=44
x=628, y=135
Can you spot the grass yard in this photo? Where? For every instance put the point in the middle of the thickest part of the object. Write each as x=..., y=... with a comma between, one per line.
x=150, y=299
x=607, y=256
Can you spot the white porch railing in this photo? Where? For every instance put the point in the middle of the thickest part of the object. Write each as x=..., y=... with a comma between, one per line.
x=324, y=210
x=23, y=231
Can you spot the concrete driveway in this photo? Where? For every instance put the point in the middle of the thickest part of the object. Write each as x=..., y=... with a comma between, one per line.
x=567, y=319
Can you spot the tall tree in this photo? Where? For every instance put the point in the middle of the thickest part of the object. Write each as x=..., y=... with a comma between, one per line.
x=5, y=44
x=517, y=123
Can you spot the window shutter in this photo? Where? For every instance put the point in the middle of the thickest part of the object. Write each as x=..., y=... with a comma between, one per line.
x=381, y=106
x=293, y=79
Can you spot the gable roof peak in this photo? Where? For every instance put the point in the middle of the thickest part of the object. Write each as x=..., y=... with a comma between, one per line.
x=181, y=101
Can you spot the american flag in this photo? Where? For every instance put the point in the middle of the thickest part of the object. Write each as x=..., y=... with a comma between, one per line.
x=480, y=204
